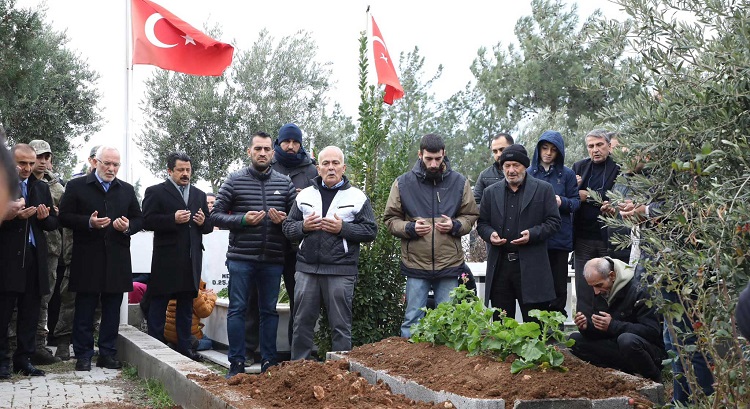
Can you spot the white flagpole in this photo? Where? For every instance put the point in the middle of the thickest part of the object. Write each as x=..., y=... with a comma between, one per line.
x=128, y=91
x=126, y=161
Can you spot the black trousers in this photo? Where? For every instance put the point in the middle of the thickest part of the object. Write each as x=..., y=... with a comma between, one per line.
x=558, y=262
x=585, y=250
x=628, y=353
x=157, y=317
x=506, y=289
x=252, y=319
x=28, y=305
x=83, y=324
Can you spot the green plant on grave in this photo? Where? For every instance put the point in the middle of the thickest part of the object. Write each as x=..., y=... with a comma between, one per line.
x=464, y=324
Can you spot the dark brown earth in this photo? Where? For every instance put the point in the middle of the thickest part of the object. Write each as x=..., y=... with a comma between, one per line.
x=306, y=385
x=441, y=368
x=310, y=385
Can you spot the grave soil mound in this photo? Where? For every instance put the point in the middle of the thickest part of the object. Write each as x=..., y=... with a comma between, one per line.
x=307, y=385
x=311, y=385
x=441, y=368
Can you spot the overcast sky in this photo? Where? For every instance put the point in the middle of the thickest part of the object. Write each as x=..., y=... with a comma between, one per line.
x=449, y=35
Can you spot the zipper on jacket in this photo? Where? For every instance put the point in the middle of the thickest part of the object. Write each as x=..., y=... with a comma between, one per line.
x=265, y=219
x=434, y=183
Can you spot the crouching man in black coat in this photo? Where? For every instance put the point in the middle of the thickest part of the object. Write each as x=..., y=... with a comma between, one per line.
x=623, y=332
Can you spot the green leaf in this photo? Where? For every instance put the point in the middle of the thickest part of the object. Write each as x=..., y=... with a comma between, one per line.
x=528, y=329
x=519, y=365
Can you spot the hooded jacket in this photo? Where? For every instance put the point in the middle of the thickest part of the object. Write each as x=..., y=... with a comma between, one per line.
x=627, y=303
x=415, y=195
x=563, y=181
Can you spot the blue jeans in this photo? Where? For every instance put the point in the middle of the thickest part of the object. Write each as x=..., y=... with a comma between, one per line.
x=246, y=277
x=417, y=290
x=697, y=360
x=701, y=371
x=205, y=343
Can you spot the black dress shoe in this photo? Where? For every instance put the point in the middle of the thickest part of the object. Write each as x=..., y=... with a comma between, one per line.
x=193, y=355
x=108, y=362
x=43, y=356
x=28, y=369
x=83, y=364
x=4, y=372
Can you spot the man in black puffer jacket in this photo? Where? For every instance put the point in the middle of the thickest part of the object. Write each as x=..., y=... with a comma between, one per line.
x=290, y=159
x=252, y=203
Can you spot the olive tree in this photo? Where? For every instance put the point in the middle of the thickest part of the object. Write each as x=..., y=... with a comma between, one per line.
x=48, y=91
x=689, y=126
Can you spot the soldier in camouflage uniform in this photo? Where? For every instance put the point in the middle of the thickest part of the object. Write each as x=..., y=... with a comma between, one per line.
x=43, y=356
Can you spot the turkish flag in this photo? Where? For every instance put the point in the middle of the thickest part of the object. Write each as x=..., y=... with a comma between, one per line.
x=160, y=38
x=384, y=67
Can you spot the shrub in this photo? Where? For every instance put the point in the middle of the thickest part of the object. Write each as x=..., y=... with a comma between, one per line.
x=464, y=324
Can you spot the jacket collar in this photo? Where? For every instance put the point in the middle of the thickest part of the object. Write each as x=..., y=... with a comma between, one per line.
x=318, y=182
x=92, y=178
x=260, y=175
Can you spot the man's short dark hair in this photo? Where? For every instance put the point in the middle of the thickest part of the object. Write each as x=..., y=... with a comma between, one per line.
x=507, y=137
x=173, y=157
x=431, y=143
x=21, y=147
x=260, y=134
x=210, y=194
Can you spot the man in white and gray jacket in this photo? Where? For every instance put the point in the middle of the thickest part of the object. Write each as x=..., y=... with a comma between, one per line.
x=329, y=219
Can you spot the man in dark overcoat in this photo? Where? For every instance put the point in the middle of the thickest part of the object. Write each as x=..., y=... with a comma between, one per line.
x=23, y=257
x=103, y=213
x=177, y=213
x=516, y=217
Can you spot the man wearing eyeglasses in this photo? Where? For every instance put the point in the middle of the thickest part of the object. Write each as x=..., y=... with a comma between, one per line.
x=103, y=213
x=494, y=173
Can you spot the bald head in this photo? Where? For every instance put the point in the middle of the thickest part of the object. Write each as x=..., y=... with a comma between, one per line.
x=331, y=166
x=331, y=150
x=597, y=266
x=600, y=275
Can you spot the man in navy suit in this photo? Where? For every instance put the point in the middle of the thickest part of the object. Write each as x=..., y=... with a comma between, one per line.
x=177, y=213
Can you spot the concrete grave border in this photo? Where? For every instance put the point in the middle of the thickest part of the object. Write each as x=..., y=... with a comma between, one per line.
x=156, y=360
x=412, y=390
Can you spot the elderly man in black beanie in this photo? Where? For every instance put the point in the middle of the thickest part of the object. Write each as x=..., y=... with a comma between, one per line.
x=516, y=217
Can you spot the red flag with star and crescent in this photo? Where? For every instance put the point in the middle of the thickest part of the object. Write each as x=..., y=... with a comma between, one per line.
x=162, y=39
x=384, y=67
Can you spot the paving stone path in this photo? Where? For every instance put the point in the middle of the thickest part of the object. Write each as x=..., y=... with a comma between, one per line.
x=69, y=389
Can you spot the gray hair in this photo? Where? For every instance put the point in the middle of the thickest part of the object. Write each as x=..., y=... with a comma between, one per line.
x=599, y=133
x=332, y=148
x=103, y=148
x=599, y=265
